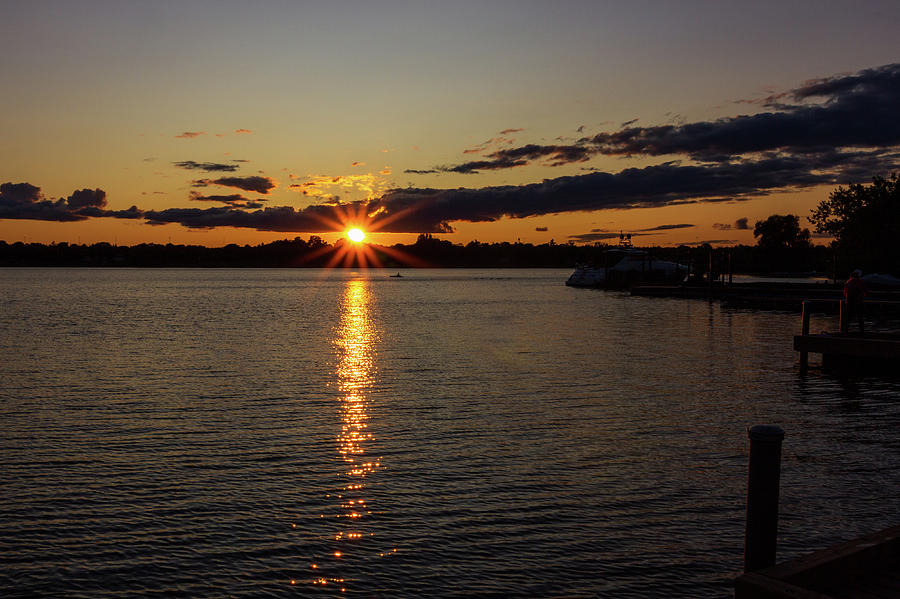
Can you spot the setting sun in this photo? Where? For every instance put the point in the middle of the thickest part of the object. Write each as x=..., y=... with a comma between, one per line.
x=356, y=235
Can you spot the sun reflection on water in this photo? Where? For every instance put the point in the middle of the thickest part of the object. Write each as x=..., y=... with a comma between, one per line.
x=354, y=342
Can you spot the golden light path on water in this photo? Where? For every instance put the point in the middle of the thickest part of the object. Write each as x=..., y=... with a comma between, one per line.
x=355, y=372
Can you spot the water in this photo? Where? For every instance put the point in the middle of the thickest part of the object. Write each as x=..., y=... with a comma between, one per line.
x=294, y=433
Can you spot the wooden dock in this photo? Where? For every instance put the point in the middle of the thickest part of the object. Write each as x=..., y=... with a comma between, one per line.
x=867, y=567
x=864, y=568
x=785, y=297
x=845, y=350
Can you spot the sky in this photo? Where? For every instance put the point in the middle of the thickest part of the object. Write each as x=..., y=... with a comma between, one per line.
x=234, y=122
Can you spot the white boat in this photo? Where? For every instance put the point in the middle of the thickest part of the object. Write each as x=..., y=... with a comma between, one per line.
x=625, y=266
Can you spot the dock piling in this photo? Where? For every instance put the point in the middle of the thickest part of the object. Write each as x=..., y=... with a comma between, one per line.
x=845, y=317
x=763, y=478
x=804, y=330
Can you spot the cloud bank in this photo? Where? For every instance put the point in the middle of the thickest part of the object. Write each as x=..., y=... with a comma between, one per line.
x=25, y=201
x=829, y=131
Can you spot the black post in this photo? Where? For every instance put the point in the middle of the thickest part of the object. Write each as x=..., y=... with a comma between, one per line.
x=804, y=331
x=762, y=496
x=730, y=267
x=845, y=317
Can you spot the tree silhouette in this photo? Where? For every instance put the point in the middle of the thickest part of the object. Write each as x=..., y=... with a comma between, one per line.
x=783, y=245
x=865, y=222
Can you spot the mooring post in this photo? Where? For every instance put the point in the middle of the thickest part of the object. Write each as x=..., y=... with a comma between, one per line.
x=730, y=267
x=845, y=317
x=804, y=331
x=763, y=476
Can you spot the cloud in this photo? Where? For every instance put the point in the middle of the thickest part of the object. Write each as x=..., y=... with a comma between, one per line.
x=541, y=229
x=190, y=134
x=325, y=187
x=856, y=111
x=836, y=130
x=413, y=171
x=258, y=184
x=853, y=113
x=476, y=166
x=235, y=200
x=243, y=131
x=84, y=198
x=508, y=131
x=386, y=171
x=358, y=164
x=492, y=142
x=740, y=224
x=208, y=167
x=25, y=201
x=667, y=227
x=313, y=219
x=432, y=210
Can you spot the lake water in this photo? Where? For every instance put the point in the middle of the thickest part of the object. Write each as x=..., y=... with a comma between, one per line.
x=295, y=433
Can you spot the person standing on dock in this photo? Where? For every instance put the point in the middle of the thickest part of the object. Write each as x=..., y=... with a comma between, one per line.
x=855, y=292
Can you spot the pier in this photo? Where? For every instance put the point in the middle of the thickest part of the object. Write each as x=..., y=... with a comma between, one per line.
x=864, y=568
x=788, y=297
x=843, y=349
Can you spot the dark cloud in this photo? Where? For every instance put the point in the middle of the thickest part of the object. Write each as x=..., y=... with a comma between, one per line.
x=851, y=133
x=84, y=198
x=255, y=183
x=631, y=122
x=314, y=219
x=206, y=166
x=19, y=194
x=541, y=229
x=742, y=223
x=508, y=131
x=190, y=134
x=25, y=201
x=234, y=200
x=722, y=226
x=432, y=210
x=413, y=171
x=856, y=111
x=667, y=227
x=92, y=211
x=476, y=166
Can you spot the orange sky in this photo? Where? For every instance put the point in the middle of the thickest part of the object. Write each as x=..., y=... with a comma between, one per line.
x=522, y=121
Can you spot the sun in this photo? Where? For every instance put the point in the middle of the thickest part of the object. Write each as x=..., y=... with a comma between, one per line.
x=356, y=235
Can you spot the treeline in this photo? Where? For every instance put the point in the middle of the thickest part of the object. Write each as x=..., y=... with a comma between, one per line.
x=427, y=251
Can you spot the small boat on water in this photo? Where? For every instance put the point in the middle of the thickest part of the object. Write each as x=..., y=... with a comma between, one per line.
x=625, y=266
x=396, y=276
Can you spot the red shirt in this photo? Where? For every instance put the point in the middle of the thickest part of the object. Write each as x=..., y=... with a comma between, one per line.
x=854, y=290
